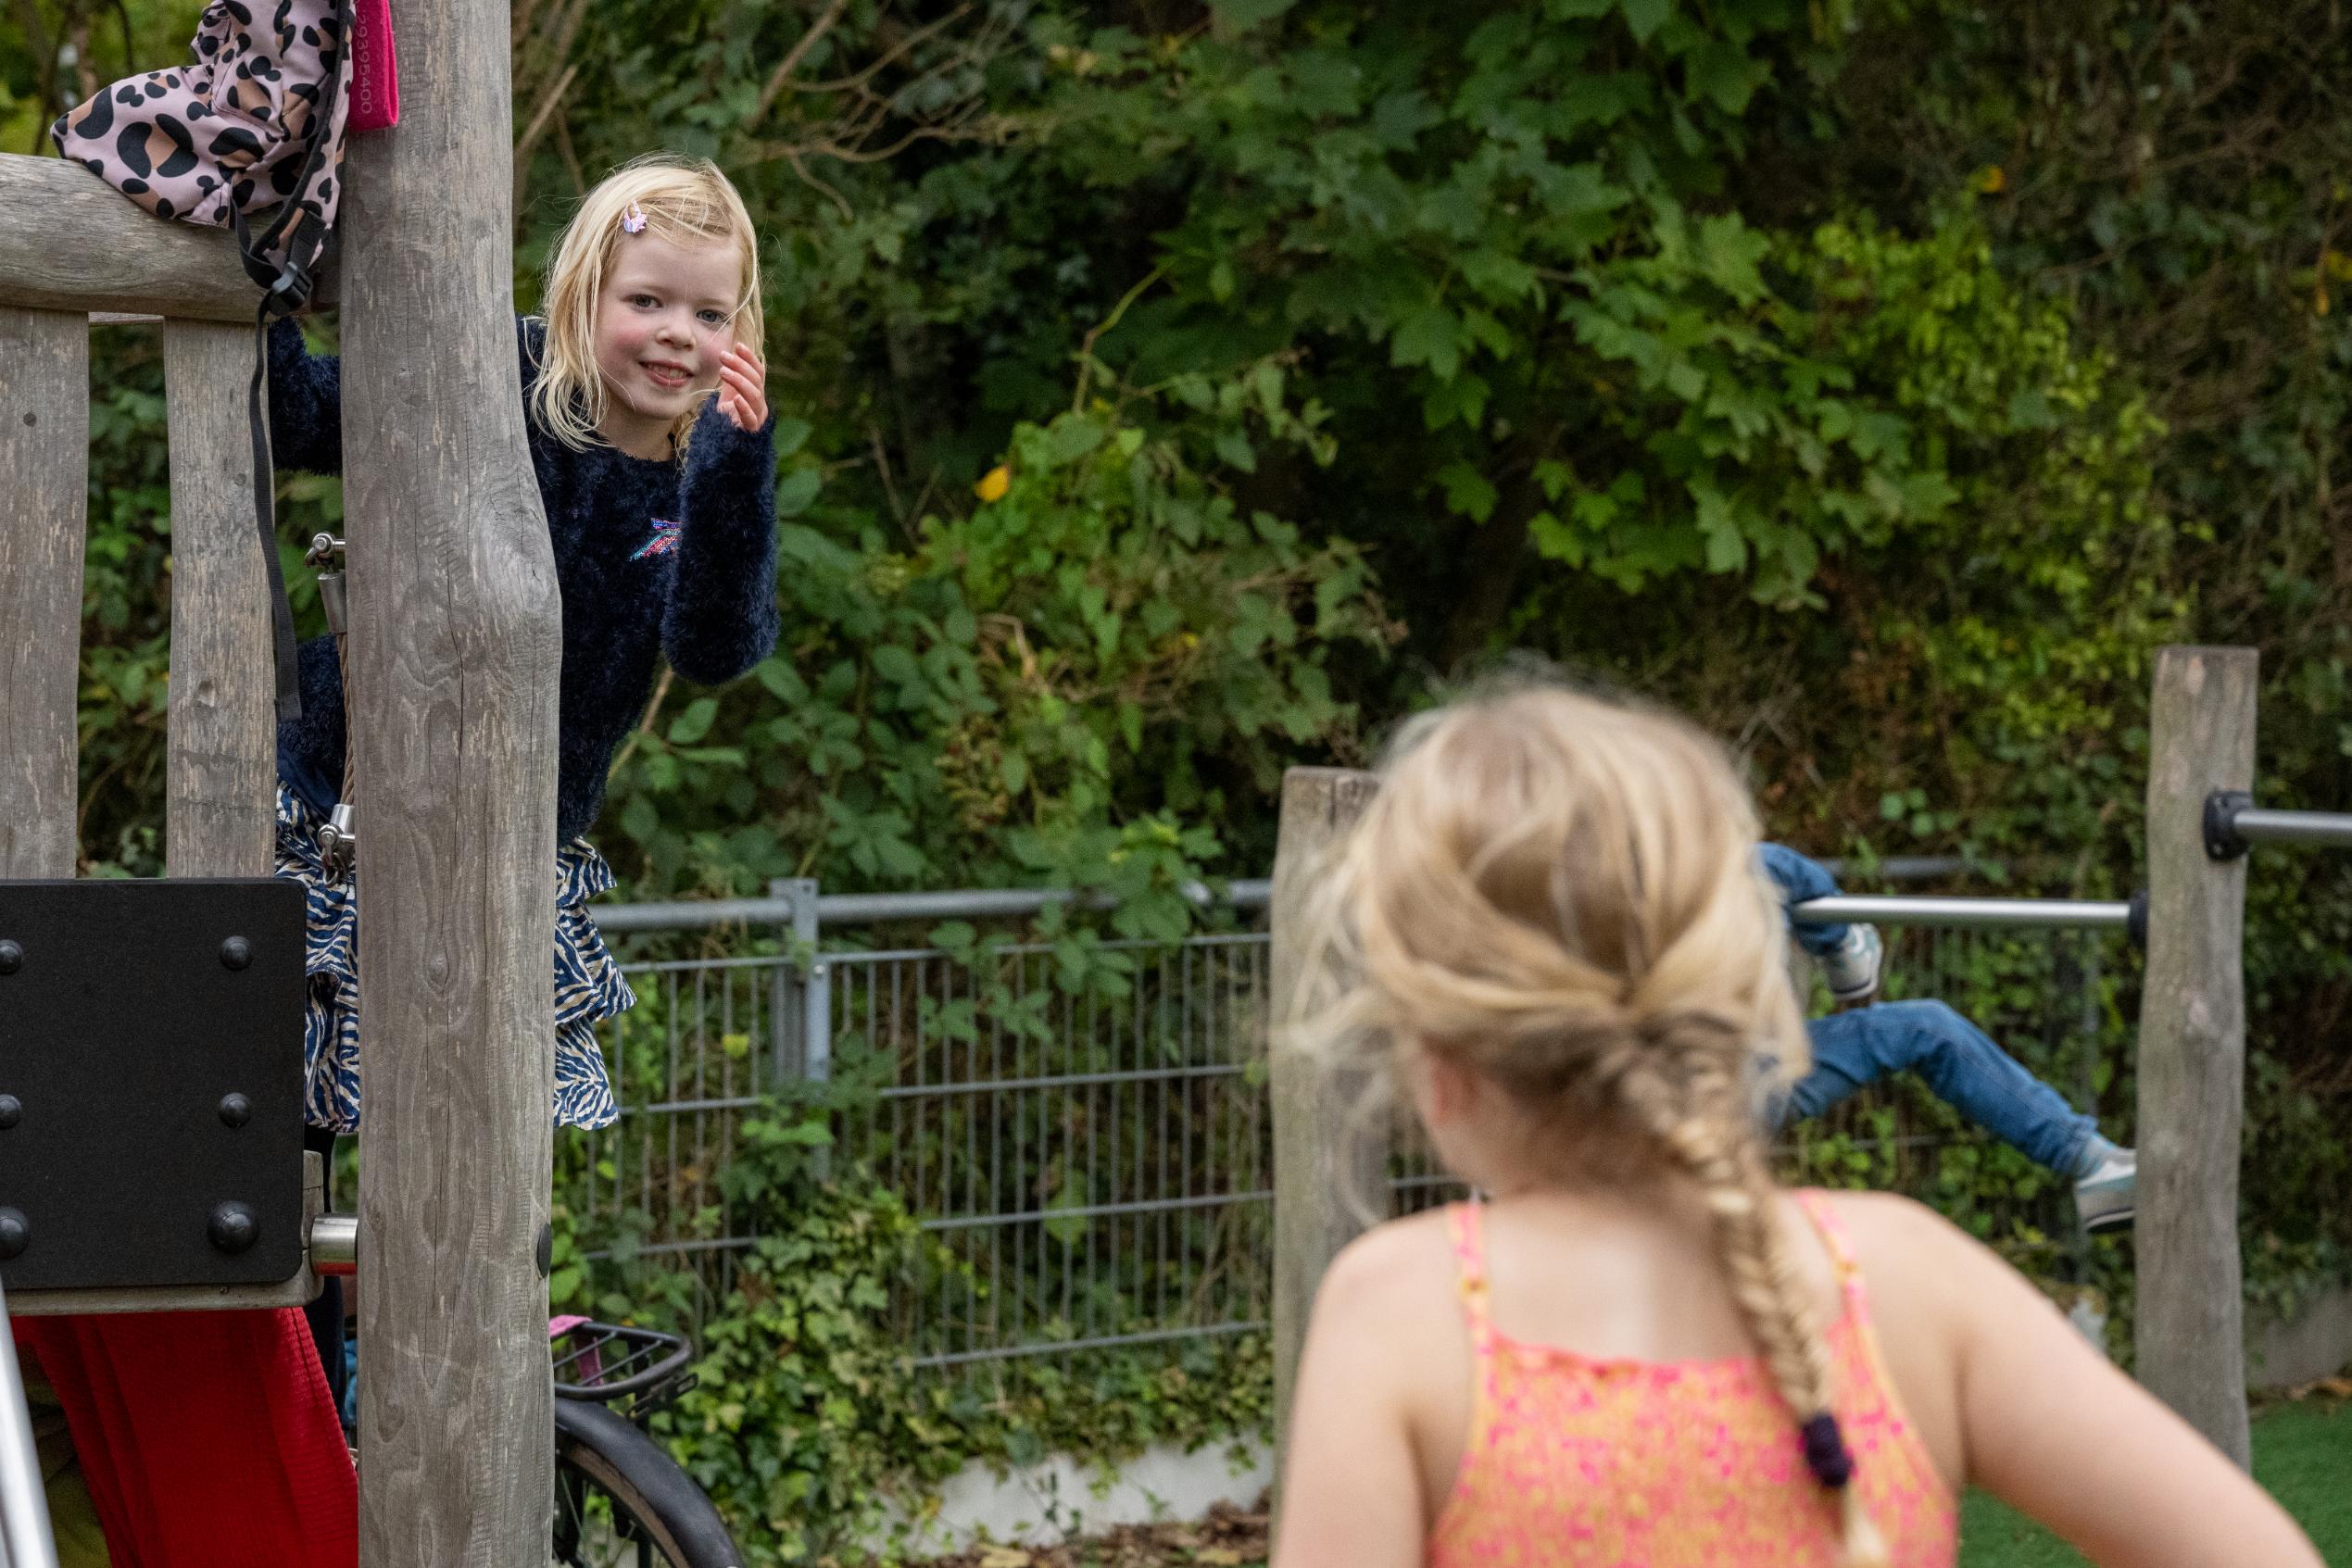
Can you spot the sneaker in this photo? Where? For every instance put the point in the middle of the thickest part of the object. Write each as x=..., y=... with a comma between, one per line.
x=2107, y=1197
x=1852, y=967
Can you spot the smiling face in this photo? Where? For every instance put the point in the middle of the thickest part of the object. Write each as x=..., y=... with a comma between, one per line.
x=663, y=318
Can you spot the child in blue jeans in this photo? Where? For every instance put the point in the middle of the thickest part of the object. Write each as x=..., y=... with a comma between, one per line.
x=1965, y=1069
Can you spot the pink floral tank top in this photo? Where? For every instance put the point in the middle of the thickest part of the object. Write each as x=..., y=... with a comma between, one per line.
x=1573, y=1461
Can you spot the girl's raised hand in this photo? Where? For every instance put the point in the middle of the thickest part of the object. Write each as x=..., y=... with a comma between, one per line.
x=743, y=387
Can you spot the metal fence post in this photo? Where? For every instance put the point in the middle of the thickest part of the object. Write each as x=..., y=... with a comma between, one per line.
x=804, y=1032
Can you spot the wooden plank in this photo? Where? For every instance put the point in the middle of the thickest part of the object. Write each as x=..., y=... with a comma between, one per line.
x=2190, y=1320
x=44, y=452
x=1325, y=1163
x=68, y=241
x=220, y=781
x=455, y=646
x=293, y=1292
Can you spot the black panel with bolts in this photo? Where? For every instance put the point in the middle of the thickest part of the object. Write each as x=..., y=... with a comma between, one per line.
x=150, y=1083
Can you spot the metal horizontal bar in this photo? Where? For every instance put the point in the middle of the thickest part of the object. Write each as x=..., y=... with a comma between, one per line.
x=2314, y=829
x=1065, y=1080
x=680, y=966
x=1098, y=1342
x=870, y=958
x=1889, y=909
x=980, y=903
x=722, y=1243
x=866, y=909
x=693, y=914
x=1101, y=1211
x=683, y=1107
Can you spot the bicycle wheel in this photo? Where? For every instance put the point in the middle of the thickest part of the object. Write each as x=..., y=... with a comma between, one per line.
x=621, y=1502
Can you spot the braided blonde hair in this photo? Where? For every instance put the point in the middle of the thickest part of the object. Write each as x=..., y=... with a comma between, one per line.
x=1559, y=893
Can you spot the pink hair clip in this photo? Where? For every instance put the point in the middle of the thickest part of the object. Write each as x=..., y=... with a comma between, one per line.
x=632, y=219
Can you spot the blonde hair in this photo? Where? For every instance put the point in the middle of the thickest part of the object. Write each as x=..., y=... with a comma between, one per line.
x=1560, y=894
x=685, y=201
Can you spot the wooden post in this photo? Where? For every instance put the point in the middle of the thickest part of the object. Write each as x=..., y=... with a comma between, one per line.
x=44, y=453
x=220, y=779
x=455, y=646
x=2190, y=1320
x=1325, y=1163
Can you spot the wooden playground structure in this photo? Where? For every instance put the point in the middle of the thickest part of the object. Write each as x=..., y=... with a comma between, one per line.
x=454, y=647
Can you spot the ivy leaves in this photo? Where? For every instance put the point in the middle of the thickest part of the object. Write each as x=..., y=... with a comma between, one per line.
x=979, y=700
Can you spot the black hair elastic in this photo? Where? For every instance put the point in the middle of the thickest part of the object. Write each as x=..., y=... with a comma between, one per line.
x=1825, y=1451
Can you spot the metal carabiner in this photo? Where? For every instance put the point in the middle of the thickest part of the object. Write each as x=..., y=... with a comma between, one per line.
x=325, y=548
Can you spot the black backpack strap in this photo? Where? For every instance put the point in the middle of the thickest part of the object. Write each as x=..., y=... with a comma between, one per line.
x=299, y=238
x=264, y=520
x=294, y=231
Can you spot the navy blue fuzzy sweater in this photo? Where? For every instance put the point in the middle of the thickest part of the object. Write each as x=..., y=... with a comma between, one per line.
x=653, y=557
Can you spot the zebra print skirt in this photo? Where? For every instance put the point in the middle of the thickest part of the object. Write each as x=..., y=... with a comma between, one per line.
x=588, y=984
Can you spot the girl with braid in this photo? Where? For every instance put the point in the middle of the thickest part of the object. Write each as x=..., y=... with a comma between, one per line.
x=1549, y=933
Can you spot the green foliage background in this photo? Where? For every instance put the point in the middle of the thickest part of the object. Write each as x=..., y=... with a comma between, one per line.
x=1881, y=381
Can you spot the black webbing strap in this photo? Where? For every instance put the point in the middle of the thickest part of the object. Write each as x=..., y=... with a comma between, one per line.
x=265, y=521
x=285, y=288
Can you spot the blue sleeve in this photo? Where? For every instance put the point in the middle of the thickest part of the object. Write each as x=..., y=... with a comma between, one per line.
x=721, y=619
x=306, y=402
x=1798, y=877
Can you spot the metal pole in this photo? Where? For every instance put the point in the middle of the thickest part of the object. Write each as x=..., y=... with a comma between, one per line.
x=858, y=909
x=816, y=1027
x=783, y=906
x=24, y=1505
x=797, y=897
x=2317, y=829
x=1908, y=909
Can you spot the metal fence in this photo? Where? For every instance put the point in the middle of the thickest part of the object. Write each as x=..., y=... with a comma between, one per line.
x=1093, y=1155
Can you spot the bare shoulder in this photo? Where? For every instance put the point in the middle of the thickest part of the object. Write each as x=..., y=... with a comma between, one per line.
x=1394, y=1266
x=1389, y=1312
x=1913, y=1260
x=1926, y=1274
x=1891, y=1230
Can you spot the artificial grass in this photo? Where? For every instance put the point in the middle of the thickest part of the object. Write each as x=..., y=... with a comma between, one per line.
x=2302, y=1452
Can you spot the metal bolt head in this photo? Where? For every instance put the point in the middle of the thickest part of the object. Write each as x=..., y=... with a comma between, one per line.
x=15, y=1233
x=235, y=1110
x=233, y=1227
x=11, y=1111
x=235, y=953
x=11, y=957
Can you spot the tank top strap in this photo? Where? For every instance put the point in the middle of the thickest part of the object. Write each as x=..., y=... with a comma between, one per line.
x=1831, y=1231
x=1465, y=1223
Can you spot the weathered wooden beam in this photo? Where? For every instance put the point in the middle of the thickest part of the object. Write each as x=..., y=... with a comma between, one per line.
x=454, y=644
x=220, y=775
x=44, y=457
x=1327, y=1162
x=2189, y=1324
x=68, y=241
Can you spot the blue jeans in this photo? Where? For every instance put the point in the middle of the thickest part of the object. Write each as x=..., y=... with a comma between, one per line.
x=1968, y=1072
